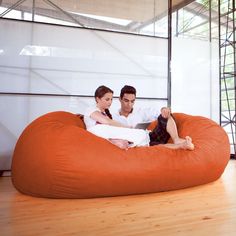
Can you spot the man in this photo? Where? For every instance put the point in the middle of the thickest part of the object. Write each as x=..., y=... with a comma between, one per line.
x=166, y=127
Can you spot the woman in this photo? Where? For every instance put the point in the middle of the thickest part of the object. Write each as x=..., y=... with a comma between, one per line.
x=99, y=121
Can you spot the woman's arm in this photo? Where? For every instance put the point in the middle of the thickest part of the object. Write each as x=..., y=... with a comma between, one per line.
x=97, y=116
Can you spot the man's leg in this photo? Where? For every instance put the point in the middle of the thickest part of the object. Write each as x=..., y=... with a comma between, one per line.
x=165, y=129
x=185, y=144
x=159, y=135
x=171, y=128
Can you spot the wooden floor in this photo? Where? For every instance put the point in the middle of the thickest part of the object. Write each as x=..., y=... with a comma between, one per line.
x=204, y=210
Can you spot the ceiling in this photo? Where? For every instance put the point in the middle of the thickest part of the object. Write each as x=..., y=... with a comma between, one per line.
x=134, y=10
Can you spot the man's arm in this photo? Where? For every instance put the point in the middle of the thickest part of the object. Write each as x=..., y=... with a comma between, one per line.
x=165, y=112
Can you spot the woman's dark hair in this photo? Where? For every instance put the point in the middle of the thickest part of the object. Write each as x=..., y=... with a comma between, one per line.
x=100, y=92
x=108, y=113
x=127, y=89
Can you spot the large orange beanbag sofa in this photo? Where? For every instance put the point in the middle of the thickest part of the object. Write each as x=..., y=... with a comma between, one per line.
x=55, y=157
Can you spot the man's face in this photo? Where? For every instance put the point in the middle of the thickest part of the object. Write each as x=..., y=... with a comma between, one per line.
x=127, y=102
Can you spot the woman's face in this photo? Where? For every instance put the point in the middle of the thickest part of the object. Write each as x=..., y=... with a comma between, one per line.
x=105, y=101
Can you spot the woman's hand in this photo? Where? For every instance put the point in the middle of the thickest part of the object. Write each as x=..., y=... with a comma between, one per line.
x=121, y=143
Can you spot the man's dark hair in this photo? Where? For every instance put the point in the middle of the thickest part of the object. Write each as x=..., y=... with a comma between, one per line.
x=127, y=89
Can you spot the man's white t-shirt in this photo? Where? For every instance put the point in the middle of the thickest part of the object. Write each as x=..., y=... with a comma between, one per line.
x=138, y=115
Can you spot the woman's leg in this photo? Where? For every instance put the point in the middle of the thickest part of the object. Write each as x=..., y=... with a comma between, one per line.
x=122, y=137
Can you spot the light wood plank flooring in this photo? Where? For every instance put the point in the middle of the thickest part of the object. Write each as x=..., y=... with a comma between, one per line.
x=204, y=210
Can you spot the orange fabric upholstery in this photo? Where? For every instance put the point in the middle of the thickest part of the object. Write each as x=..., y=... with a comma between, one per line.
x=56, y=157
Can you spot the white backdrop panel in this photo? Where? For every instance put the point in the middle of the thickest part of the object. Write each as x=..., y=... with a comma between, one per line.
x=195, y=76
x=48, y=59
x=40, y=62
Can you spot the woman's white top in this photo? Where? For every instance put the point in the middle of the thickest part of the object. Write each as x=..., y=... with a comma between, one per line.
x=138, y=137
x=89, y=122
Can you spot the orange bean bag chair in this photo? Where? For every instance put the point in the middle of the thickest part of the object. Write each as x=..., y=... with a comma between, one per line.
x=56, y=157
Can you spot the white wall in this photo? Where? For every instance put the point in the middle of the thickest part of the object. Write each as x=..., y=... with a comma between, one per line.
x=48, y=59
x=195, y=77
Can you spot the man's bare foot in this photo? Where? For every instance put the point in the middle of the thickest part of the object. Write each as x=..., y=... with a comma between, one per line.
x=187, y=144
x=121, y=143
x=190, y=145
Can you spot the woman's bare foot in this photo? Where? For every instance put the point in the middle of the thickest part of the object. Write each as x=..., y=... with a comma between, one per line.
x=121, y=143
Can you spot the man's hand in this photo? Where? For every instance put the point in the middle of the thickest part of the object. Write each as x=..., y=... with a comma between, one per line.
x=165, y=112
